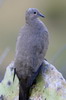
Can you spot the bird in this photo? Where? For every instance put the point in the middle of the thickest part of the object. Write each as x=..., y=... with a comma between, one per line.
x=31, y=47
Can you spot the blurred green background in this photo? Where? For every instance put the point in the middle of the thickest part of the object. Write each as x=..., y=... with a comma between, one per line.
x=12, y=18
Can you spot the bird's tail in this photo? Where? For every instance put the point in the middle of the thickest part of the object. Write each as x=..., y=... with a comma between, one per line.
x=23, y=91
x=25, y=85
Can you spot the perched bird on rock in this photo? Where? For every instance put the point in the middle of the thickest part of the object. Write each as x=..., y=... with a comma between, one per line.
x=31, y=48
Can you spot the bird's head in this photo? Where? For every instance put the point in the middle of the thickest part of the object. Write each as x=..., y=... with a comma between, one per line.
x=33, y=13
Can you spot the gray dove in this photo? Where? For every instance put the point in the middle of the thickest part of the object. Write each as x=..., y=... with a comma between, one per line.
x=31, y=48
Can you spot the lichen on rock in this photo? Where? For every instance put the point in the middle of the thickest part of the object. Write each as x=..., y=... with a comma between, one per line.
x=50, y=85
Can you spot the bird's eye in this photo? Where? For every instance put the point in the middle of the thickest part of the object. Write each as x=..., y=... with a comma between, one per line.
x=34, y=12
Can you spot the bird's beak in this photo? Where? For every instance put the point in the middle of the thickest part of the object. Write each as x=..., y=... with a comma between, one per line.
x=41, y=15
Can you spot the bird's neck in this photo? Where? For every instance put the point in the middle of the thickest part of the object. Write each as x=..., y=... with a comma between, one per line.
x=36, y=23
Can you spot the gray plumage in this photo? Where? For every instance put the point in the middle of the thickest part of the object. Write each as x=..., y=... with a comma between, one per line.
x=31, y=48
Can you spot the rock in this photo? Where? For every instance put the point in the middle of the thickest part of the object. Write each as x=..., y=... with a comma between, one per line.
x=50, y=85
x=9, y=89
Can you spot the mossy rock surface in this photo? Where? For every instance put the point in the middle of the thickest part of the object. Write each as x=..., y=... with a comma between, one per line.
x=50, y=85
